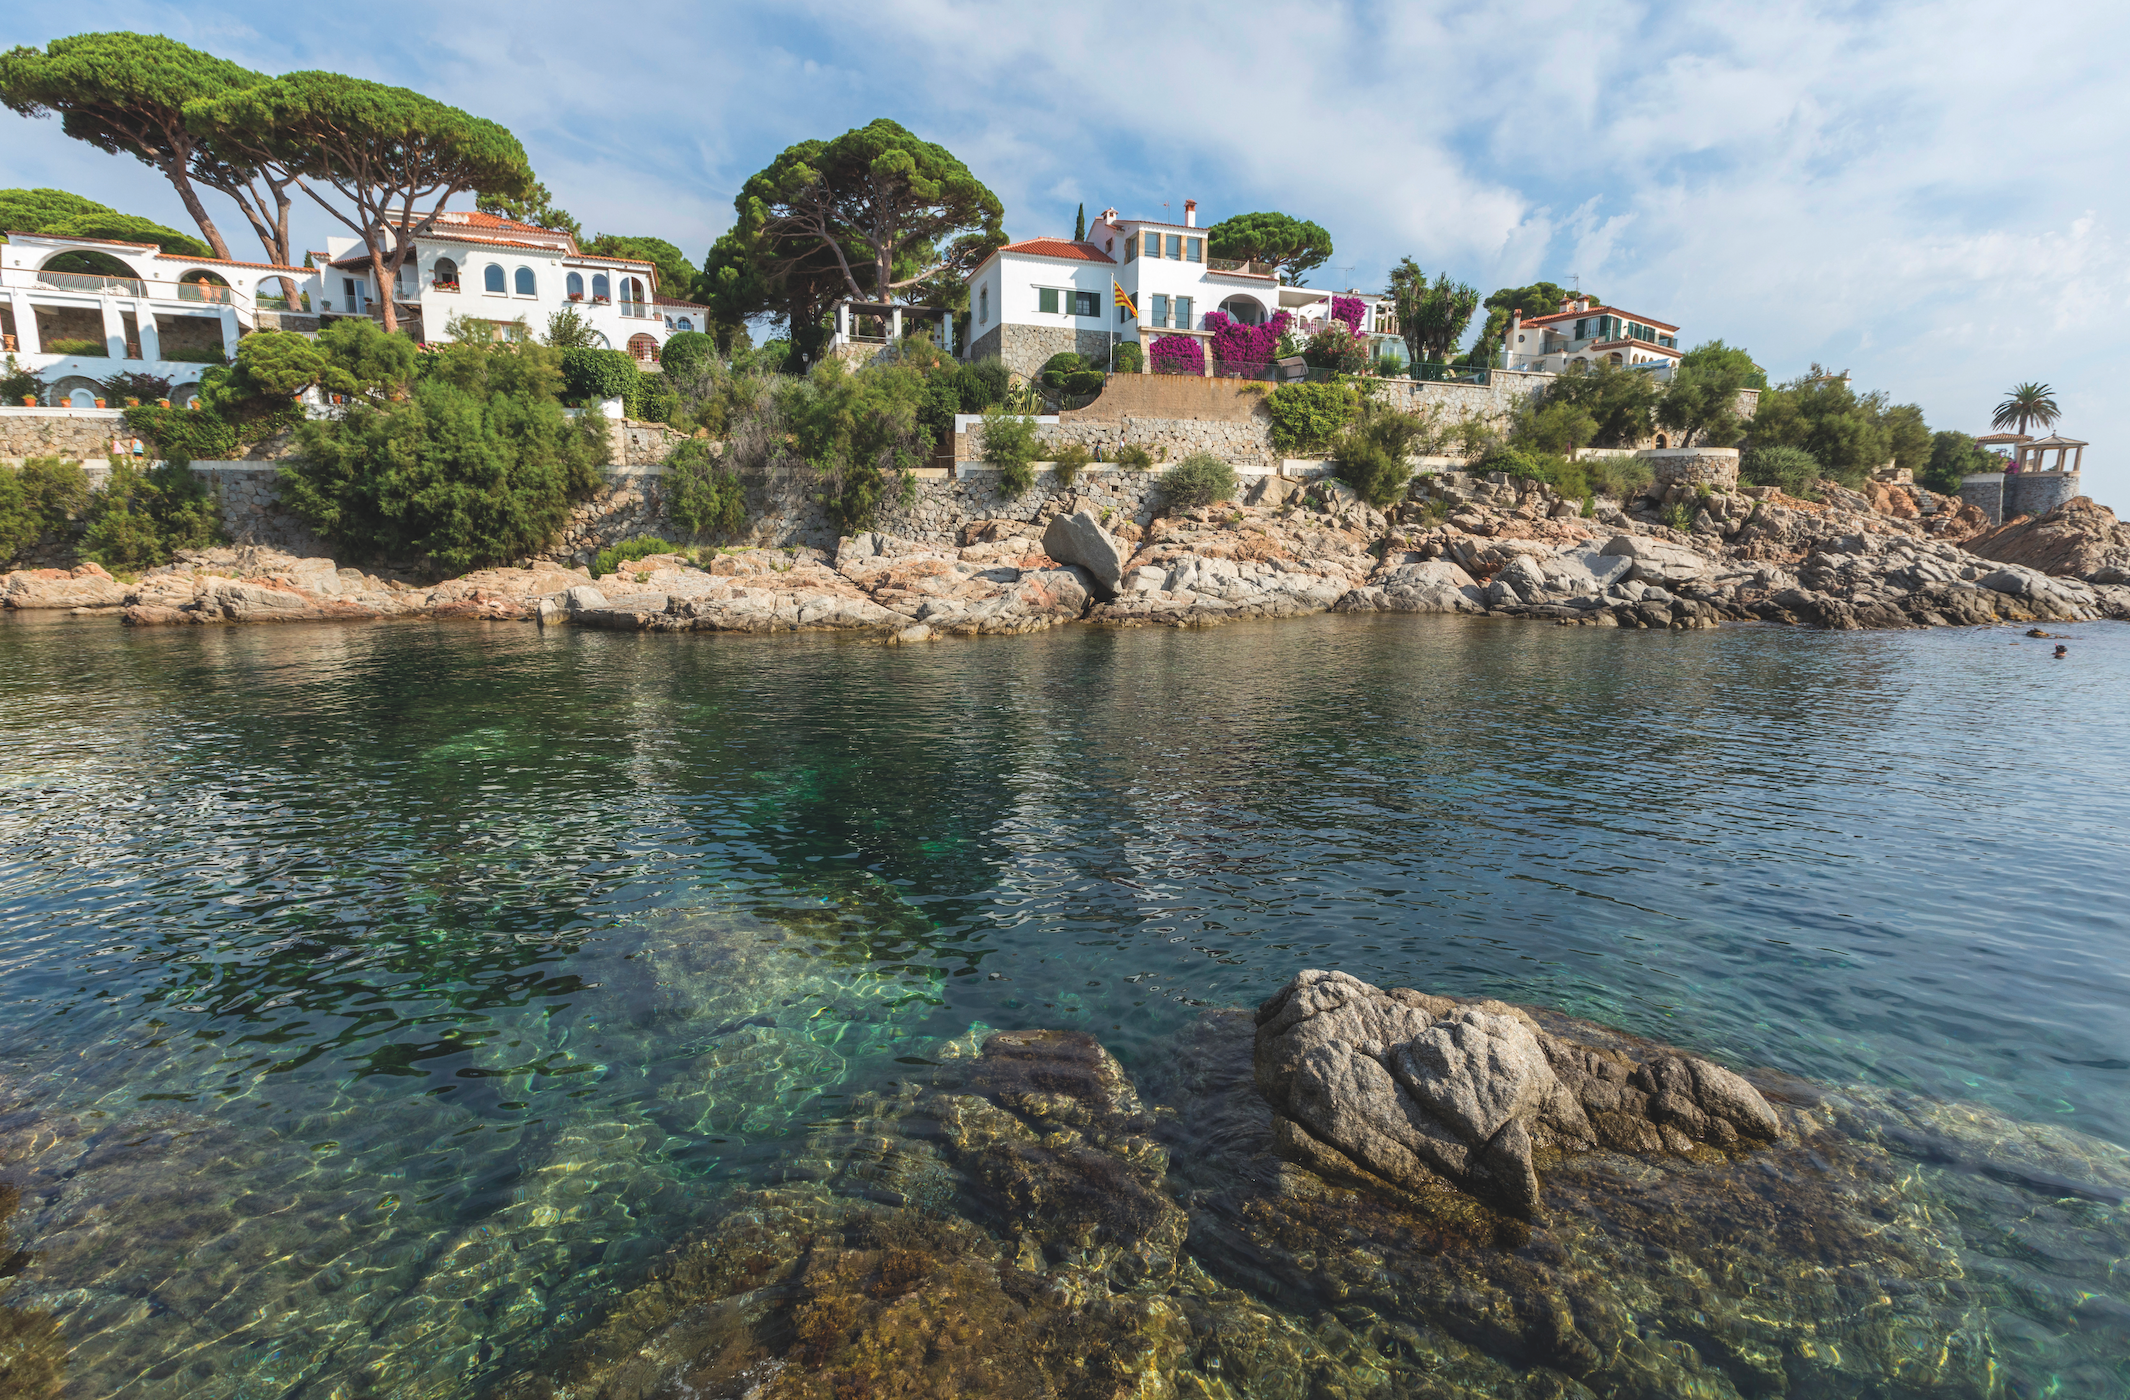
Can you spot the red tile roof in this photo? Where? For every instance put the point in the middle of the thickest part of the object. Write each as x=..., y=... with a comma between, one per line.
x=1059, y=248
x=1595, y=310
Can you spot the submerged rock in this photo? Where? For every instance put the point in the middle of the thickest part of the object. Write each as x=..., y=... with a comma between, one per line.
x=1414, y=1088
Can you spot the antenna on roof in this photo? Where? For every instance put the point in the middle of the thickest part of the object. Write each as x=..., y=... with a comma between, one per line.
x=1576, y=279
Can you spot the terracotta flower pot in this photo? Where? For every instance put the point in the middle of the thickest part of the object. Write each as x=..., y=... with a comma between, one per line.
x=162, y=403
x=192, y=404
x=133, y=403
x=99, y=403
x=29, y=400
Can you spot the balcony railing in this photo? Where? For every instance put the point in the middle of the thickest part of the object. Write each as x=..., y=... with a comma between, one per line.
x=93, y=282
x=205, y=291
x=1246, y=269
x=639, y=310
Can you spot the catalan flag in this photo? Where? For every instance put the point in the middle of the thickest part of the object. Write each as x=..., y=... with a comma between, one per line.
x=1123, y=300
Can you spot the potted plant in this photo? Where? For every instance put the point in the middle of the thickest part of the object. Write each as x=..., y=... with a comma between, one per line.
x=29, y=400
x=99, y=403
x=162, y=403
x=133, y=403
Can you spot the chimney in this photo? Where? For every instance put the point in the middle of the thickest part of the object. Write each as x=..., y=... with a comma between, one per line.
x=1582, y=304
x=1516, y=324
x=1567, y=305
x=1190, y=213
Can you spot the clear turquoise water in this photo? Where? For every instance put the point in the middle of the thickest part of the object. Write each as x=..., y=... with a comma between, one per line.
x=375, y=999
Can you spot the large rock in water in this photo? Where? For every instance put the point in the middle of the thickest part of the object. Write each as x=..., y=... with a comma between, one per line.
x=1079, y=538
x=2079, y=539
x=1418, y=1088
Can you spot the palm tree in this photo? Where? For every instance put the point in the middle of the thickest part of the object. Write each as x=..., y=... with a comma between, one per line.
x=2029, y=403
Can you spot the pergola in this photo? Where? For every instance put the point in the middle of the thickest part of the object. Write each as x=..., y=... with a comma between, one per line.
x=892, y=312
x=2070, y=454
x=1994, y=441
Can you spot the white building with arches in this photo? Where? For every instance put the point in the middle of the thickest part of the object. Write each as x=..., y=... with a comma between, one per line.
x=483, y=267
x=81, y=310
x=1036, y=297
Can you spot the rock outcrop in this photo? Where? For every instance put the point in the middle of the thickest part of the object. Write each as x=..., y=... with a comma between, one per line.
x=1418, y=1088
x=1078, y=538
x=87, y=586
x=2078, y=539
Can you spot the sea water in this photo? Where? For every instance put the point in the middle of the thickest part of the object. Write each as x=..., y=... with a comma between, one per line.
x=377, y=1001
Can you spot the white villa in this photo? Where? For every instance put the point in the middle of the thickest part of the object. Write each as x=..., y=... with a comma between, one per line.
x=1031, y=299
x=1580, y=333
x=170, y=315
x=489, y=268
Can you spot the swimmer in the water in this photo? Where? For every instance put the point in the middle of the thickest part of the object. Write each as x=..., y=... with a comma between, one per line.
x=2061, y=652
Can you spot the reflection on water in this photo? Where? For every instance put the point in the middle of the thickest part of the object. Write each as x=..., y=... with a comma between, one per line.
x=381, y=999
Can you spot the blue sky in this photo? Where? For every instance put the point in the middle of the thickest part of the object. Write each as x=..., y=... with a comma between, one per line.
x=1929, y=196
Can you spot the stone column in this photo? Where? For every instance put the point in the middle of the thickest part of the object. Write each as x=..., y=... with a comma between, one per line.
x=114, y=327
x=843, y=322
x=26, y=341
x=895, y=326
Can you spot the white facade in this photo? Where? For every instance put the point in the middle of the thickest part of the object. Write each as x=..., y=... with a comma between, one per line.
x=198, y=305
x=492, y=269
x=1164, y=269
x=1580, y=332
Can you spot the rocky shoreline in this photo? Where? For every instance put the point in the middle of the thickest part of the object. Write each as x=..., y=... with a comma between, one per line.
x=1354, y=1192
x=1898, y=557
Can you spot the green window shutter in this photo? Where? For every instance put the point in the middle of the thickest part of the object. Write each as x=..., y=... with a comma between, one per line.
x=1046, y=299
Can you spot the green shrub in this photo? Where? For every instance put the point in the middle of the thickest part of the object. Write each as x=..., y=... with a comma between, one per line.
x=1389, y=367
x=1678, y=516
x=139, y=518
x=38, y=499
x=1010, y=447
x=1790, y=469
x=1069, y=461
x=195, y=354
x=1130, y=359
x=853, y=429
x=126, y=384
x=589, y=376
x=1372, y=454
x=17, y=384
x=1063, y=363
x=702, y=494
x=1307, y=417
x=642, y=547
x=1621, y=478
x=86, y=348
x=1563, y=476
x=471, y=463
x=687, y=353
x=982, y=384
x=1952, y=456
x=1200, y=479
x=1133, y=457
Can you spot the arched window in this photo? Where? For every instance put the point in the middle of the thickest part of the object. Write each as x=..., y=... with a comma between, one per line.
x=601, y=289
x=526, y=288
x=632, y=289
x=983, y=306
x=574, y=283
x=445, y=275
x=1247, y=310
x=686, y=324
x=644, y=348
x=492, y=279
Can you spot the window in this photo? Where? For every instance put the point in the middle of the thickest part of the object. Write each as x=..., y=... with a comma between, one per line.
x=1046, y=300
x=574, y=285
x=601, y=290
x=632, y=289
x=1195, y=249
x=526, y=287
x=445, y=273
x=983, y=305
x=1183, y=313
x=492, y=279
x=686, y=324
x=1086, y=304
x=1176, y=246
x=347, y=285
x=1153, y=245
x=1160, y=307
x=1120, y=315
x=1131, y=249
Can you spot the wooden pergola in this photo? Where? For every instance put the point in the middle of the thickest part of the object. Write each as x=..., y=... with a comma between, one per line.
x=2070, y=454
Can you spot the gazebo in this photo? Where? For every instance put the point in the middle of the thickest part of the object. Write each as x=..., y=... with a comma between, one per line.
x=2070, y=454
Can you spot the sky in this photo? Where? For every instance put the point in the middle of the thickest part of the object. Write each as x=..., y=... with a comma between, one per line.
x=1929, y=196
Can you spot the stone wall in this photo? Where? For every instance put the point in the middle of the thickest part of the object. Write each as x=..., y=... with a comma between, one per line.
x=1693, y=466
x=2003, y=496
x=1025, y=349
x=77, y=433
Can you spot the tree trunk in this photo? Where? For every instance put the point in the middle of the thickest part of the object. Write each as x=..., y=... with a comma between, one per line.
x=384, y=284
x=175, y=169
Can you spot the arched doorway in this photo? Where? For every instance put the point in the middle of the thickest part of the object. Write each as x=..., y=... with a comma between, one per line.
x=644, y=348
x=444, y=276
x=1247, y=310
x=199, y=284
